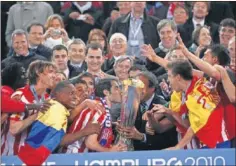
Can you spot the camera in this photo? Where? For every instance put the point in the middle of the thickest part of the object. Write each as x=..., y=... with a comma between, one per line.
x=56, y=32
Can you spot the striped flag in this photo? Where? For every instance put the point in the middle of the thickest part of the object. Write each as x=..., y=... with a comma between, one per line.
x=206, y=113
x=45, y=135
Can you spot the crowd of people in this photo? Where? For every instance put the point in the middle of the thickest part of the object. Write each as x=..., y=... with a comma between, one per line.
x=63, y=64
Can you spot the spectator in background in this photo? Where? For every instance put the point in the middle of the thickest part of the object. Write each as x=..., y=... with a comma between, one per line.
x=81, y=18
x=122, y=9
x=221, y=10
x=180, y=15
x=138, y=27
x=201, y=38
x=60, y=58
x=108, y=22
x=76, y=53
x=98, y=36
x=22, y=14
x=122, y=66
x=5, y=6
x=164, y=10
x=55, y=33
x=226, y=31
x=95, y=59
x=35, y=36
x=21, y=53
x=167, y=31
x=200, y=10
x=136, y=69
x=118, y=47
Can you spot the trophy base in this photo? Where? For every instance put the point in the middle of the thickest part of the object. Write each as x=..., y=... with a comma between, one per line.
x=123, y=140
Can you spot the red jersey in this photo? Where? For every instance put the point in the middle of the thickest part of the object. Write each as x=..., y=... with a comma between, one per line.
x=106, y=135
x=12, y=143
x=9, y=105
x=229, y=108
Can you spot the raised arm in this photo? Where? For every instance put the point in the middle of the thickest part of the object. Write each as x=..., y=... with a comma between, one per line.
x=72, y=137
x=228, y=85
x=148, y=52
x=202, y=65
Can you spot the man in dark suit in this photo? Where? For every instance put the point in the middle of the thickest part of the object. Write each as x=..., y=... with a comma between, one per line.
x=138, y=27
x=142, y=140
x=76, y=53
x=20, y=51
x=35, y=35
x=200, y=11
x=219, y=11
x=60, y=58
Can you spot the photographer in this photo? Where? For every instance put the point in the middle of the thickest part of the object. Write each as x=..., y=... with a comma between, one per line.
x=55, y=33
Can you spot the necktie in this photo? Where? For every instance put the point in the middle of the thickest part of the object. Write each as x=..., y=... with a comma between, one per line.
x=198, y=25
x=143, y=107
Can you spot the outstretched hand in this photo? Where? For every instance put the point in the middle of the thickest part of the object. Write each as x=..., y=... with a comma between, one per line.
x=42, y=107
x=148, y=52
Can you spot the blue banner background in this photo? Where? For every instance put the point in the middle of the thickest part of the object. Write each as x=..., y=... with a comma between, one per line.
x=164, y=157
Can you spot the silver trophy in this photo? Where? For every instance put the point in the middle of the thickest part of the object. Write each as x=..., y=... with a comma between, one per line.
x=131, y=92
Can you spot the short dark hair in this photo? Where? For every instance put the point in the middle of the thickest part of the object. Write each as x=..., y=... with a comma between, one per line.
x=227, y=22
x=77, y=81
x=103, y=84
x=86, y=74
x=59, y=87
x=59, y=72
x=35, y=68
x=182, y=7
x=181, y=67
x=77, y=41
x=35, y=24
x=10, y=74
x=94, y=46
x=136, y=67
x=152, y=80
x=221, y=52
x=82, y=75
x=60, y=47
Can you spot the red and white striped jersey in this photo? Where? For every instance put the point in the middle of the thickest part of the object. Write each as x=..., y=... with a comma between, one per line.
x=104, y=119
x=12, y=144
